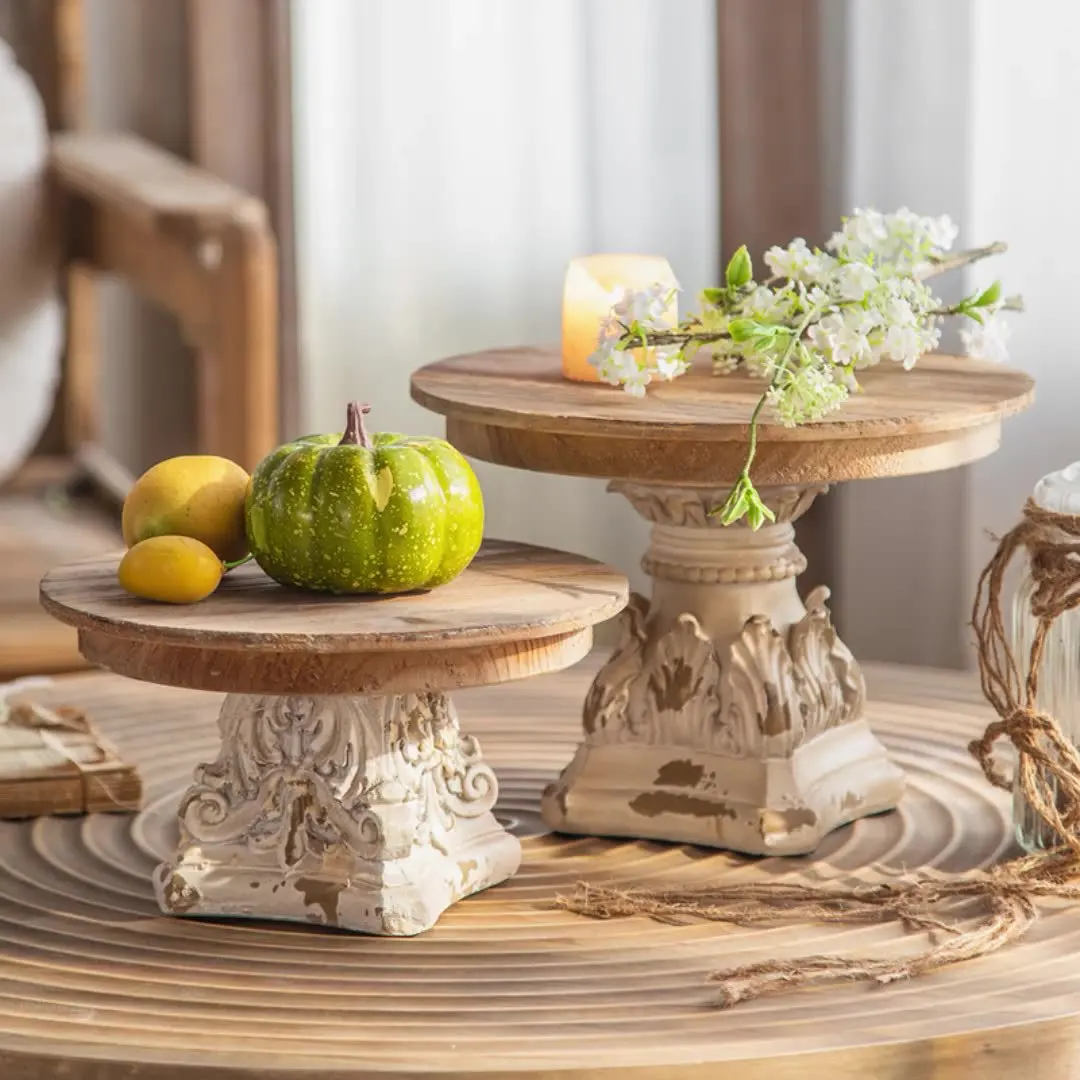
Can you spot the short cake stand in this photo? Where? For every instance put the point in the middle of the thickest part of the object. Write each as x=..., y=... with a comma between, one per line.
x=344, y=792
x=731, y=714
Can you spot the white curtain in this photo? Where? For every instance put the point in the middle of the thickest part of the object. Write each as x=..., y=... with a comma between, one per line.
x=452, y=157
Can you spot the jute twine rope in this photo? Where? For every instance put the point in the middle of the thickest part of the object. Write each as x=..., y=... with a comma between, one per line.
x=965, y=916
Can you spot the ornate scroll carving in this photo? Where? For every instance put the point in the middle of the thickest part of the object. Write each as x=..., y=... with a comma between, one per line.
x=302, y=774
x=372, y=813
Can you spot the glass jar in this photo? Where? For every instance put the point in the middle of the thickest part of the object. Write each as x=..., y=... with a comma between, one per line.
x=1059, y=670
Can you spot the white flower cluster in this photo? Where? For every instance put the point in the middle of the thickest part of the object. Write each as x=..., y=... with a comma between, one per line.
x=618, y=361
x=904, y=241
x=823, y=316
x=891, y=320
x=987, y=340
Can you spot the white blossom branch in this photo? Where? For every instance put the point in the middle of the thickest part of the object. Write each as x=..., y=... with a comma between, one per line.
x=964, y=258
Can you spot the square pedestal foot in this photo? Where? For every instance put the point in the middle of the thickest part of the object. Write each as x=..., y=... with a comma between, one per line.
x=370, y=814
x=777, y=806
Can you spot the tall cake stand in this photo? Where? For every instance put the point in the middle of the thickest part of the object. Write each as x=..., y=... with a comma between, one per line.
x=344, y=792
x=730, y=714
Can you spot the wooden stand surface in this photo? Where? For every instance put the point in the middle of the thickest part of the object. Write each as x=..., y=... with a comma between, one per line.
x=344, y=792
x=731, y=714
x=96, y=985
x=513, y=407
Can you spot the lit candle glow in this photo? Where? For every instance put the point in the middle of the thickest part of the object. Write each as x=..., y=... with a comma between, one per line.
x=594, y=284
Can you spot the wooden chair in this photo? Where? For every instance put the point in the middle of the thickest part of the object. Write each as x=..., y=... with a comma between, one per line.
x=201, y=249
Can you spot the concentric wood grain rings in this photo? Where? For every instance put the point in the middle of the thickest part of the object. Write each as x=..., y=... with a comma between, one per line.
x=95, y=984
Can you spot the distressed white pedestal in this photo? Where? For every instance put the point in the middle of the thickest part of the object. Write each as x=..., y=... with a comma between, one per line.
x=344, y=792
x=368, y=813
x=730, y=714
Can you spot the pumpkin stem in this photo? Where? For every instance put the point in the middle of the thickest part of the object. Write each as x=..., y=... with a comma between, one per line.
x=355, y=432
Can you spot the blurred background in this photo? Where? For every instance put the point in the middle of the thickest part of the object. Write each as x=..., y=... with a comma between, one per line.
x=294, y=204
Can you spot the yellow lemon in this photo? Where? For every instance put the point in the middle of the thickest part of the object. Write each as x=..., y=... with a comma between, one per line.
x=198, y=496
x=171, y=569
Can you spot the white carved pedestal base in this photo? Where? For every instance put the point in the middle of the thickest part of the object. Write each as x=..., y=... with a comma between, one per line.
x=366, y=813
x=730, y=715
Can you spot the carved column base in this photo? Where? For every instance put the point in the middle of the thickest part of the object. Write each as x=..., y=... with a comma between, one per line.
x=367, y=814
x=731, y=714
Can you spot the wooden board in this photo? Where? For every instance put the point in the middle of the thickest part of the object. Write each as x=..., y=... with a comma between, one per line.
x=36, y=533
x=96, y=985
x=513, y=407
x=517, y=610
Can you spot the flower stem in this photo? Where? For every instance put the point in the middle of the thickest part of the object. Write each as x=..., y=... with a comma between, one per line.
x=781, y=369
x=684, y=337
x=963, y=258
x=238, y=562
x=1010, y=303
x=755, y=416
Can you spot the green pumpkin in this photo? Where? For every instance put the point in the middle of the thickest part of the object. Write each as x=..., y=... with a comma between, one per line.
x=355, y=513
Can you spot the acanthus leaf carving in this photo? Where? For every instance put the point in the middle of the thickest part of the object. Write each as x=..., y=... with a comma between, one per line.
x=607, y=704
x=767, y=694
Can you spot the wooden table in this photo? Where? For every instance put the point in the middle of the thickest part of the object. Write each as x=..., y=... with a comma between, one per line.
x=731, y=713
x=96, y=985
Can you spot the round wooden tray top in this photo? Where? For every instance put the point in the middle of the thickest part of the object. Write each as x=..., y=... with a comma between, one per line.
x=513, y=407
x=96, y=985
x=517, y=610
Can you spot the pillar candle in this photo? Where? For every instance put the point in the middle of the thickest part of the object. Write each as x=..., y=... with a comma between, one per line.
x=594, y=284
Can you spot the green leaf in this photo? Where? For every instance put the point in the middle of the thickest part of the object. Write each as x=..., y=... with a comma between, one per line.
x=734, y=509
x=768, y=331
x=713, y=296
x=989, y=295
x=740, y=269
x=745, y=502
x=754, y=514
x=744, y=329
x=757, y=513
x=971, y=313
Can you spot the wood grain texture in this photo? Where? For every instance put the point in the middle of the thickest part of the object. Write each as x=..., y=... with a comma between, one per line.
x=512, y=407
x=517, y=610
x=98, y=986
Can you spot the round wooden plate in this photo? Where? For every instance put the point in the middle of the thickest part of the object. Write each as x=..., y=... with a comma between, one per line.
x=517, y=610
x=96, y=985
x=513, y=407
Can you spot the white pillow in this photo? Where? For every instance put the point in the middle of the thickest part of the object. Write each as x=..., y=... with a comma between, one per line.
x=31, y=316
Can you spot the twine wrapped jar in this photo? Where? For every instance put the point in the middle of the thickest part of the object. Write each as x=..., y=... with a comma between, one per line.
x=1059, y=671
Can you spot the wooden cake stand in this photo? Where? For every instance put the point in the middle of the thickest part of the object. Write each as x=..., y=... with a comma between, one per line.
x=731, y=714
x=343, y=792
